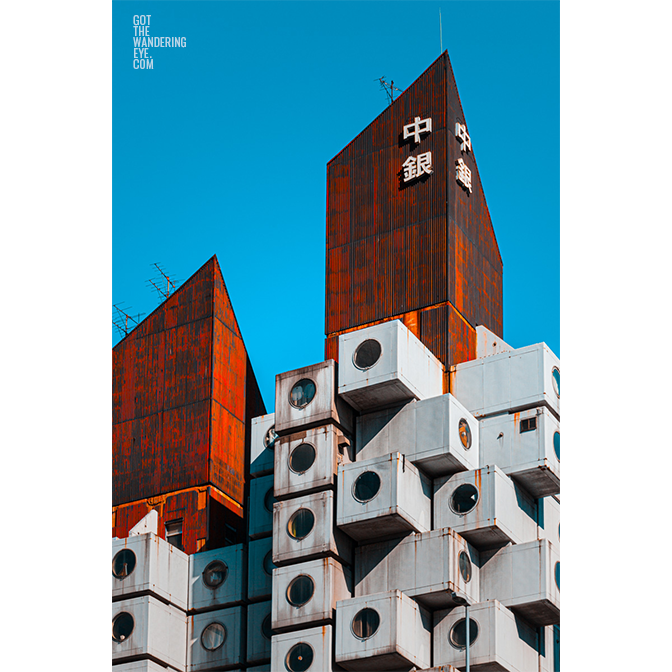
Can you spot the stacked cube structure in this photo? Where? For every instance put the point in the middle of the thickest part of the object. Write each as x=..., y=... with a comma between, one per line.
x=402, y=508
x=381, y=511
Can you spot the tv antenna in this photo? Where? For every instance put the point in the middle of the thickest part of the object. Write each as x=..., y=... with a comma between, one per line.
x=162, y=283
x=121, y=317
x=389, y=88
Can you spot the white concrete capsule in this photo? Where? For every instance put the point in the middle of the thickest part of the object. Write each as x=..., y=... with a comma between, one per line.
x=488, y=343
x=387, y=631
x=146, y=627
x=548, y=520
x=485, y=507
x=140, y=666
x=498, y=639
x=306, y=594
x=309, y=650
x=304, y=528
x=148, y=564
x=261, y=507
x=438, y=435
x=216, y=639
x=308, y=461
x=262, y=444
x=509, y=381
x=259, y=632
x=524, y=578
x=431, y=568
x=384, y=365
x=383, y=496
x=526, y=446
x=307, y=397
x=216, y=578
x=260, y=569
x=549, y=651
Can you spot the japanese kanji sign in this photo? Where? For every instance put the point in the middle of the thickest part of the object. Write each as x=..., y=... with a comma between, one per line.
x=417, y=127
x=415, y=166
x=463, y=174
x=461, y=134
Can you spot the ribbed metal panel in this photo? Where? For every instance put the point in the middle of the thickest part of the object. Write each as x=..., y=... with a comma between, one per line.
x=395, y=247
x=183, y=397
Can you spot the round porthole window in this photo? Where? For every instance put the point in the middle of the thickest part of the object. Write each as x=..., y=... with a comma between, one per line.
x=268, y=563
x=122, y=626
x=266, y=627
x=299, y=658
x=300, y=590
x=465, y=433
x=556, y=444
x=367, y=354
x=123, y=563
x=302, y=458
x=557, y=574
x=213, y=636
x=458, y=633
x=464, y=498
x=301, y=524
x=269, y=500
x=365, y=623
x=465, y=565
x=302, y=393
x=366, y=486
x=270, y=438
x=215, y=574
x=556, y=380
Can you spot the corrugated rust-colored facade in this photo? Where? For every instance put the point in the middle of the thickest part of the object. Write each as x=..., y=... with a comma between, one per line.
x=422, y=251
x=183, y=397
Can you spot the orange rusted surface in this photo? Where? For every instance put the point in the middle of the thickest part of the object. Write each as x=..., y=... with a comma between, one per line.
x=184, y=394
x=397, y=249
x=441, y=328
x=203, y=511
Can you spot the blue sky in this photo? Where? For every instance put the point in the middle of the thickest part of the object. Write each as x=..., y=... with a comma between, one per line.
x=222, y=148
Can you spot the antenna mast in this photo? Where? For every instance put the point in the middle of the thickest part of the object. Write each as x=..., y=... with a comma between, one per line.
x=388, y=88
x=158, y=281
x=120, y=321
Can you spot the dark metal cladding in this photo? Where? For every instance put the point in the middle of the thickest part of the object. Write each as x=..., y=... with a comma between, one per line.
x=183, y=397
x=395, y=247
x=206, y=521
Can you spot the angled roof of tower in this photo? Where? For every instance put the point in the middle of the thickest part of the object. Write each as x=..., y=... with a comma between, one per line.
x=422, y=249
x=183, y=395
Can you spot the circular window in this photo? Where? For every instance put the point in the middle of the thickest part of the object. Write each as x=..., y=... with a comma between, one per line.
x=213, y=636
x=557, y=574
x=268, y=563
x=123, y=563
x=269, y=499
x=366, y=486
x=266, y=627
x=465, y=433
x=556, y=380
x=458, y=633
x=464, y=499
x=302, y=393
x=122, y=626
x=367, y=354
x=465, y=566
x=300, y=590
x=302, y=458
x=301, y=524
x=270, y=438
x=365, y=623
x=299, y=658
x=215, y=574
x=556, y=444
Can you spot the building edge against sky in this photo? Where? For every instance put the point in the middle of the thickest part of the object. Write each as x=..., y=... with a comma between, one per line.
x=409, y=243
